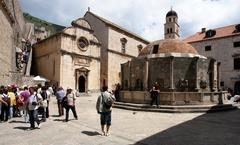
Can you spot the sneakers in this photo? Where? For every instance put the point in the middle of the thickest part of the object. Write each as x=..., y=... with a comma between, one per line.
x=39, y=125
x=103, y=134
x=107, y=134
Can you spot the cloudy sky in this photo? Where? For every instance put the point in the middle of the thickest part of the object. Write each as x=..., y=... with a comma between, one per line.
x=143, y=17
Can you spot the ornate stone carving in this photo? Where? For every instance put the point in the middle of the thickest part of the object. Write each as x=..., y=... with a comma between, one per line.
x=182, y=84
x=203, y=84
x=82, y=61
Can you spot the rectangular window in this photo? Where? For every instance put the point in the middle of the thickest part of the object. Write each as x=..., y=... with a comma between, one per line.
x=155, y=49
x=222, y=84
x=208, y=48
x=236, y=63
x=236, y=44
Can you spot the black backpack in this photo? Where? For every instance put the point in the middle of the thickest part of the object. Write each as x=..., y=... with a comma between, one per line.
x=64, y=102
x=108, y=102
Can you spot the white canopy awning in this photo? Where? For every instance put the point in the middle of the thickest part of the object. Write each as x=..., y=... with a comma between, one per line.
x=18, y=50
x=40, y=79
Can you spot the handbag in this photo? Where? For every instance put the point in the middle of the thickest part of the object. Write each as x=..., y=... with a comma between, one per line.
x=34, y=103
x=44, y=103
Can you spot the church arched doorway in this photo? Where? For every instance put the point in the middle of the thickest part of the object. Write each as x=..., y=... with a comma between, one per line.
x=82, y=84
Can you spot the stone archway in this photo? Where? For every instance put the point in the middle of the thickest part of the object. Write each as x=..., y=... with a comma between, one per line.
x=81, y=79
x=81, y=84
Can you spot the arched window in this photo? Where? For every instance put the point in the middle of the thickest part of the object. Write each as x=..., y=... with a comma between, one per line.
x=123, y=42
x=167, y=30
x=139, y=48
x=170, y=30
x=170, y=19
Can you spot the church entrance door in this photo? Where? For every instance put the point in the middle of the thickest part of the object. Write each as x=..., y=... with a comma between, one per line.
x=82, y=83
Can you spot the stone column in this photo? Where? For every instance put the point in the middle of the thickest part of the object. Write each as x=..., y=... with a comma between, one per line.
x=77, y=77
x=218, y=76
x=171, y=73
x=197, y=88
x=215, y=75
x=129, y=79
x=145, y=76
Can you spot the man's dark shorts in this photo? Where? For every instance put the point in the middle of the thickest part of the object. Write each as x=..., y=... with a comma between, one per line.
x=106, y=118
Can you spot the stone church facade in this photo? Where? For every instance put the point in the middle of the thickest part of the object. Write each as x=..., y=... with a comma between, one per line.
x=70, y=58
x=86, y=55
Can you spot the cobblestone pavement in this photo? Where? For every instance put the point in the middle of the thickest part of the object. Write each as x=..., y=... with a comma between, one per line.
x=128, y=128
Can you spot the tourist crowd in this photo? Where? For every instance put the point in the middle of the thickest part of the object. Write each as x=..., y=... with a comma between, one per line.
x=32, y=103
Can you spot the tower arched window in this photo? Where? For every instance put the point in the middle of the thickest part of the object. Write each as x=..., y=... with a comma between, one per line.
x=170, y=30
x=123, y=42
x=167, y=30
x=170, y=19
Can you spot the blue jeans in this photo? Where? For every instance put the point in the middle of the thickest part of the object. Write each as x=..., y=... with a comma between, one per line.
x=33, y=116
x=11, y=112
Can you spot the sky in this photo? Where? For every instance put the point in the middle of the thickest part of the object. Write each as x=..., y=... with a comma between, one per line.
x=143, y=17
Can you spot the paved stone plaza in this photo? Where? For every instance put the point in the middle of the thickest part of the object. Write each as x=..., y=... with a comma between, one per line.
x=129, y=128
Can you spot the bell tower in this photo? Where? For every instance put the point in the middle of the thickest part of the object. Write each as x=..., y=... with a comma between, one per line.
x=171, y=27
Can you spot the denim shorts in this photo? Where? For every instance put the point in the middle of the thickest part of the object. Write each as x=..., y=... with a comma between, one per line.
x=106, y=118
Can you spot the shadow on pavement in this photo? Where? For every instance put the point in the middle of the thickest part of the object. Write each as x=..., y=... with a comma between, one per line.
x=91, y=133
x=63, y=120
x=219, y=128
x=16, y=121
x=55, y=116
x=22, y=127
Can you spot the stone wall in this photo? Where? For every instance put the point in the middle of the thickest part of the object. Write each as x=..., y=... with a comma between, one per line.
x=46, y=57
x=184, y=69
x=159, y=70
x=11, y=30
x=179, y=74
x=101, y=32
x=175, y=98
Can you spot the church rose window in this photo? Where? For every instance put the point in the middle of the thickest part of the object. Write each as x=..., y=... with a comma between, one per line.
x=83, y=43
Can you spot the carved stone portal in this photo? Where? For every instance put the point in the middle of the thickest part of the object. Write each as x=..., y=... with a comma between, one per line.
x=82, y=79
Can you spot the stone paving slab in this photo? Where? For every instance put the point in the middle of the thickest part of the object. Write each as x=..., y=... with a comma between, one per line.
x=128, y=128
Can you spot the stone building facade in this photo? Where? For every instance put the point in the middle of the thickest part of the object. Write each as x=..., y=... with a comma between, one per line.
x=118, y=46
x=12, y=29
x=222, y=44
x=70, y=58
x=109, y=46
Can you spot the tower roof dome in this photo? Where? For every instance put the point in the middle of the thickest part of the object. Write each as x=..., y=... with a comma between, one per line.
x=171, y=13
